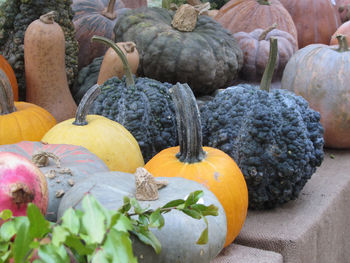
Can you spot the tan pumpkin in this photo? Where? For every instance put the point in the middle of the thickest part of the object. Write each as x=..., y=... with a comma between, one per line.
x=344, y=29
x=45, y=70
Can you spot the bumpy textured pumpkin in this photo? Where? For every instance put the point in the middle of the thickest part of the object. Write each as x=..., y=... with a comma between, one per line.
x=143, y=106
x=256, y=48
x=106, y=138
x=207, y=58
x=319, y=74
x=20, y=120
x=16, y=15
x=209, y=166
x=343, y=7
x=248, y=15
x=315, y=20
x=344, y=29
x=75, y=163
x=180, y=232
x=7, y=69
x=97, y=18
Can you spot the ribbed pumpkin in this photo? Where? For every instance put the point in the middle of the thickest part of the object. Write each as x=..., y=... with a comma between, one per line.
x=209, y=166
x=97, y=18
x=106, y=138
x=63, y=165
x=320, y=74
x=315, y=20
x=7, y=69
x=20, y=120
x=248, y=15
x=344, y=29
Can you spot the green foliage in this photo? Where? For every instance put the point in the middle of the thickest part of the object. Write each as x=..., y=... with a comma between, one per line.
x=93, y=234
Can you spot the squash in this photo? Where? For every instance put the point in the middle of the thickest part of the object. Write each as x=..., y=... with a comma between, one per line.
x=256, y=47
x=343, y=7
x=315, y=20
x=44, y=53
x=20, y=120
x=248, y=15
x=113, y=66
x=344, y=29
x=180, y=232
x=97, y=18
x=7, y=69
x=109, y=140
x=209, y=166
x=63, y=165
x=319, y=73
x=206, y=58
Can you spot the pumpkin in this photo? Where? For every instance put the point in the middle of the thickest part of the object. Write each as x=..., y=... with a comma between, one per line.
x=343, y=7
x=248, y=15
x=47, y=86
x=178, y=235
x=319, y=74
x=62, y=164
x=256, y=49
x=112, y=65
x=344, y=29
x=20, y=120
x=106, y=138
x=207, y=57
x=315, y=20
x=209, y=166
x=97, y=18
x=10, y=74
x=15, y=17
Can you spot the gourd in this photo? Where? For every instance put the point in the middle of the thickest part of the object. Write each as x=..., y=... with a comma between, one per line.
x=109, y=140
x=273, y=135
x=142, y=105
x=179, y=234
x=248, y=15
x=344, y=29
x=47, y=86
x=343, y=7
x=62, y=164
x=97, y=18
x=319, y=74
x=20, y=120
x=256, y=47
x=205, y=56
x=15, y=17
x=315, y=20
x=10, y=74
x=209, y=166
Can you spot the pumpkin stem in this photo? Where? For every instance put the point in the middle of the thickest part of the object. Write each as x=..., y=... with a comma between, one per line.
x=109, y=10
x=266, y=31
x=265, y=83
x=188, y=124
x=41, y=159
x=7, y=104
x=21, y=194
x=264, y=2
x=48, y=18
x=343, y=43
x=146, y=186
x=128, y=73
x=185, y=18
x=84, y=105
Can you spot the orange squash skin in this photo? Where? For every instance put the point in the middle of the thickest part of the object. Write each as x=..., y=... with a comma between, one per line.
x=218, y=172
x=6, y=67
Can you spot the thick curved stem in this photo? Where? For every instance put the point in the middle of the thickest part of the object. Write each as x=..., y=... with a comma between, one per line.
x=343, y=43
x=128, y=74
x=7, y=104
x=265, y=83
x=188, y=124
x=48, y=18
x=109, y=11
x=41, y=159
x=266, y=31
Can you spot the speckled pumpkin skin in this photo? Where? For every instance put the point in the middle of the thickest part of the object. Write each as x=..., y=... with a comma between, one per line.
x=208, y=58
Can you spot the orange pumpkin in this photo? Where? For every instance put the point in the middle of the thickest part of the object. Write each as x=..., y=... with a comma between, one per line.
x=209, y=166
x=6, y=67
x=20, y=121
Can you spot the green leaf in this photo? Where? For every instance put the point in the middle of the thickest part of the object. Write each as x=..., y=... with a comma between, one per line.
x=156, y=219
x=166, y=4
x=192, y=213
x=6, y=214
x=4, y=247
x=143, y=220
x=22, y=242
x=76, y=244
x=193, y=197
x=126, y=206
x=5, y=256
x=93, y=219
x=51, y=254
x=7, y=231
x=123, y=224
x=203, y=239
x=119, y=247
x=101, y=257
x=38, y=225
x=59, y=235
x=70, y=220
x=147, y=237
x=174, y=203
x=34, y=244
x=135, y=204
x=210, y=210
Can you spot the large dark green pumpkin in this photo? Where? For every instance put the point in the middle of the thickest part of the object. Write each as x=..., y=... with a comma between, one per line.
x=208, y=58
x=16, y=15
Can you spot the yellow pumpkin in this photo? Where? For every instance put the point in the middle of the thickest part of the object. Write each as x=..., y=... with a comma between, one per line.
x=109, y=140
x=209, y=166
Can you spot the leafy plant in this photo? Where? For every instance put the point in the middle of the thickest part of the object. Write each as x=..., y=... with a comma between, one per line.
x=93, y=234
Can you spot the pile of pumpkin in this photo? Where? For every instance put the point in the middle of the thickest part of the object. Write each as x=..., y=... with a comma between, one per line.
x=264, y=144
